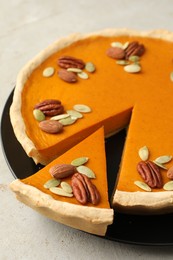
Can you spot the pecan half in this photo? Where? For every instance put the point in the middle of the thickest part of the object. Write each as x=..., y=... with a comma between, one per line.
x=59, y=171
x=150, y=173
x=50, y=107
x=66, y=62
x=134, y=48
x=84, y=190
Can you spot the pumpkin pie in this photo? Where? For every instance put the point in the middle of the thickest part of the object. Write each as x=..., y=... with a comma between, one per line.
x=137, y=94
x=90, y=218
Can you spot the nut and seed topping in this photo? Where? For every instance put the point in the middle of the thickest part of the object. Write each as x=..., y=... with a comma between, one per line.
x=67, y=76
x=143, y=153
x=74, y=113
x=163, y=159
x=50, y=126
x=68, y=121
x=82, y=108
x=66, y=62
x=60, y=192
x=160, y=165
x=150, y=173
x=48, y=72
x=84, y=190
x=51, y=183
x=142, y=185
x=76, y=70
x=168, y=186
x=115, y=53
x=83, y=75
x=79, y=161
x=90, y=67
x=58, y=117
x=134, y=49
x=59, y=171
x=132, y=68
x=50, y=107
x=38, y=115
x=66, y=187
x=86, y=171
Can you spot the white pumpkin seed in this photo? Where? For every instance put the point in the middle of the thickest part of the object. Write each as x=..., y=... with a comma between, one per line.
x=132, y=68
x=82, y=108
x=79, y=161
x=143, y=153
x=38, y=115
x=51, y=183
x=171, y=76
x=48, y=72
x=61, y=192
x=160, y=165
x=125, y=45
x=142, y=185
x=117, y=45
x=134, y=58
x=83, y=75
x=122, y=62
x=58, y=117
x=168, y=185
x=68, y=121
x=74, y=113
x=90, y=67
x=76, y=70
x=66, y=187
x=86, y=171
x=163, y=159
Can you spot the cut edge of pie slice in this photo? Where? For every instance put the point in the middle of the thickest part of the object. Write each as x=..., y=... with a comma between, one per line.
x=89, y=218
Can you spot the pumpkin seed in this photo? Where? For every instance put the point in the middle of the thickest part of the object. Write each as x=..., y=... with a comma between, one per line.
x=168, y=185
x=51, y=183
x=83, y=75
x=66, y=187
x=143, y=153
x=122, y=62
x=60, y=192
x=171, y=76
x=38, y=115
x=74, y=113
x=125, y=45
x=79, y=161
x=82, y=108
x=48, y=72
x=58, y=117
x=117, y=45
x=86, y=171
x=76, y=70
x=132, y=68
x=164, y=159
x=90, y=67
x=134, y=58
x=142, y=185
x=68, y=121
x=160, y=165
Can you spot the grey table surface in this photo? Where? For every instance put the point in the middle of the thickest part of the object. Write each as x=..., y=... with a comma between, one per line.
x=26, y=27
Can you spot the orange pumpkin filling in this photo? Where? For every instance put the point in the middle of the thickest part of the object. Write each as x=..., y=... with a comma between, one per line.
x=116, y=97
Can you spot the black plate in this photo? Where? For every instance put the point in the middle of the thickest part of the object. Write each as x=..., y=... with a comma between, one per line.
x=133, y=229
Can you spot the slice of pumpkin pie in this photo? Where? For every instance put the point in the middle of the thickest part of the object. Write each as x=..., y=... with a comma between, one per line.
x=73, y=188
